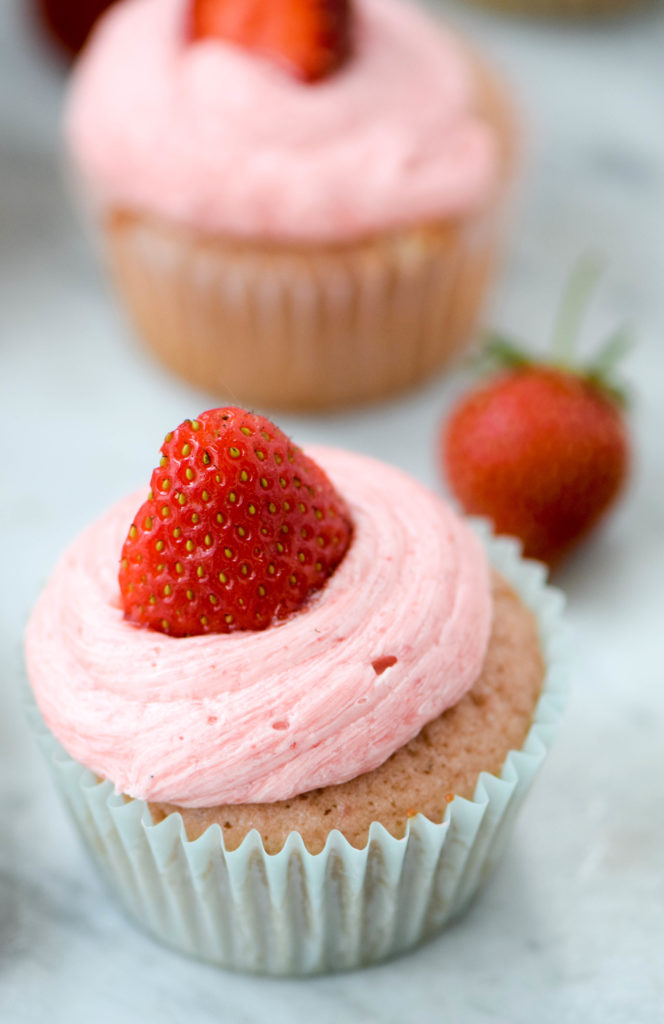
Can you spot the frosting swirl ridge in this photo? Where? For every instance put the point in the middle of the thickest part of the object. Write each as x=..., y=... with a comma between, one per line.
x=397, y=635
x=222, y=140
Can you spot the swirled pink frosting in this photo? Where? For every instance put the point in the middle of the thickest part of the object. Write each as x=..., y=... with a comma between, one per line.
x=212, y=136
x=253, y=717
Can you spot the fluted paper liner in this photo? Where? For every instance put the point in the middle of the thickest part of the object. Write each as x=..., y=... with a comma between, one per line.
x=299, y=913
x=303, y=327
x=569, y=9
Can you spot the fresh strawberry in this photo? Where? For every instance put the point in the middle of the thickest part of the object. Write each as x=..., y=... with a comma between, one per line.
x=541, y=449
x=310, y=38
x=70, y=23
x=239, y=528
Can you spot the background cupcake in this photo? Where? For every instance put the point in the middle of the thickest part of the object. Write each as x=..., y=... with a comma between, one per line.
x=321, y=791
x=289, y=242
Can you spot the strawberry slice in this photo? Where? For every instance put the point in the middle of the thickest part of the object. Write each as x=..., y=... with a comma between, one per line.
x=239, y=528
x=310, y=38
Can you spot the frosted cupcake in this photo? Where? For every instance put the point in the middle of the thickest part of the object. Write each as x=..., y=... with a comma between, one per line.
x=300, y=749
x=287, y=242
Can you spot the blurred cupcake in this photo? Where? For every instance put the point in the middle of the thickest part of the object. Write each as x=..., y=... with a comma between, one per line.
x=68, y=23
x=301, y=792
x=293, y=230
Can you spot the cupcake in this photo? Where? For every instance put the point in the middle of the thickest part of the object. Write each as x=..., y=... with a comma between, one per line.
x=293, y=709
x=290, y=229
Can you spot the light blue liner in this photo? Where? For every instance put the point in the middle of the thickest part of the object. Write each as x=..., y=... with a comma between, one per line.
x=296, y=913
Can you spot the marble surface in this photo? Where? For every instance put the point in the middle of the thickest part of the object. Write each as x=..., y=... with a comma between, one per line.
x=572, y=927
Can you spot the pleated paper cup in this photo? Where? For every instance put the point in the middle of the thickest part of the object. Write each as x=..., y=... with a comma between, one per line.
x=578, y=10
x=297, y=913
x=303, y=328
x=313, y=325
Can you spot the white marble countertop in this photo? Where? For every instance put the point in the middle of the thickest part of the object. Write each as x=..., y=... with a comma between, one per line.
x=571, y=929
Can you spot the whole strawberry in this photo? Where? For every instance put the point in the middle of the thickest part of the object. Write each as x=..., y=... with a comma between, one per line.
x=310, y=38
x=239, y=528
x=69, y=23
x=541, y=449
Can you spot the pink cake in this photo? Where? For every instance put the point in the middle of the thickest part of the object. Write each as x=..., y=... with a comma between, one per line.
x=231, y=784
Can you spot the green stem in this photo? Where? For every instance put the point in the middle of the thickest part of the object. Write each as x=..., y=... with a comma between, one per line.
x=575, y=300
x=504, y=353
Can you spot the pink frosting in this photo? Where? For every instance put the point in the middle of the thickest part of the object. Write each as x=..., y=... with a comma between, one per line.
x=252, y=717
x=218, y=138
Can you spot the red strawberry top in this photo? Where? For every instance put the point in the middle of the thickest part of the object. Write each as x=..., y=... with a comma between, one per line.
x=239, y=528
x=542, y=448
x=310, y=38
x=542, y=452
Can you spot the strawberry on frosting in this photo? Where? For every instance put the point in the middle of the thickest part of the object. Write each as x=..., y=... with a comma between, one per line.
x=311, y=38
x=239, y=528
x=214, y=135
x=397, y=634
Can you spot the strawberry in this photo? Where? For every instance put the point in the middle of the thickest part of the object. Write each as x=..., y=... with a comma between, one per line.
x=541, y=448
x=311, y=38
x=239, y=528
x=70, y=23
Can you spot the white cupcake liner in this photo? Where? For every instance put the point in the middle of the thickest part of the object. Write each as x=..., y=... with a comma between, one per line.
x=297, y=913
x=579, y=10
x=280, y=325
